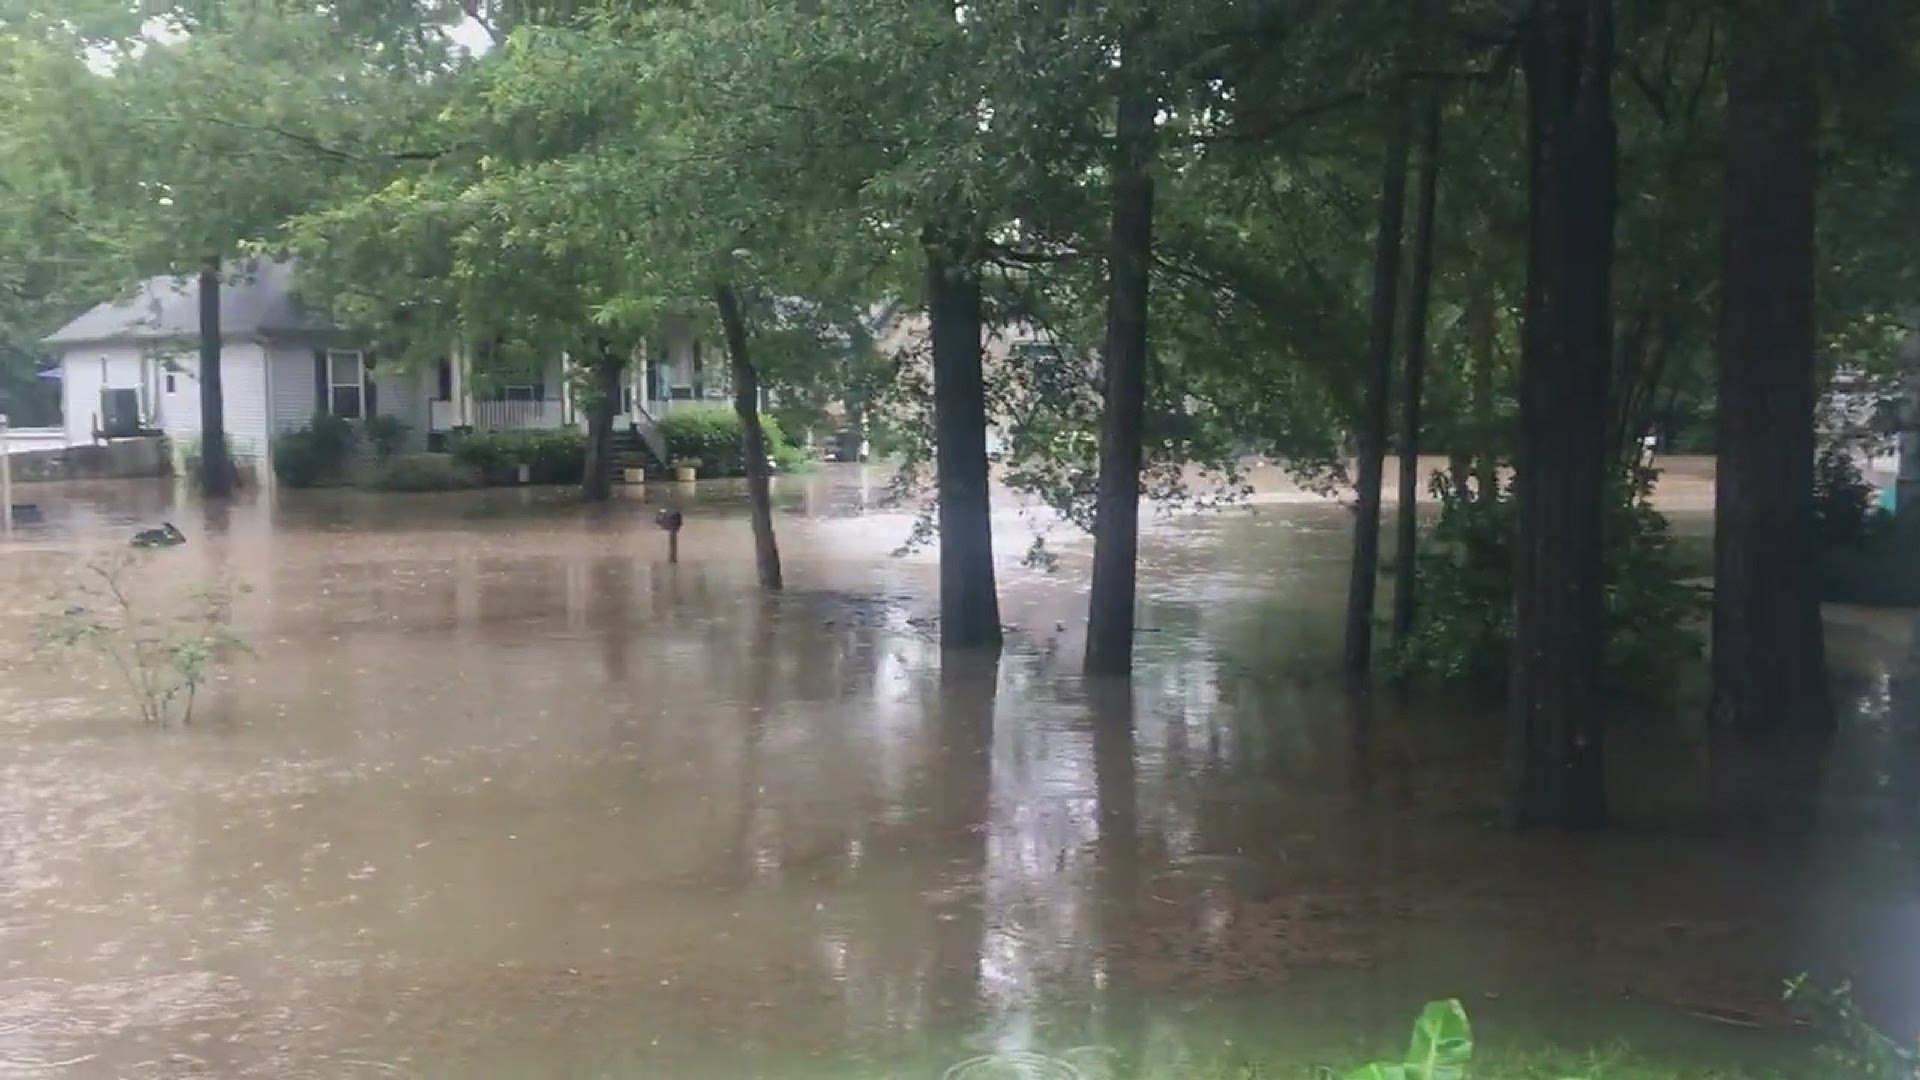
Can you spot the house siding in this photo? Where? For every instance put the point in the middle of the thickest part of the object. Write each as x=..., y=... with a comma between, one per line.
x=294, y=400
x=88, y=369
x=243, y=384
x=400, y=394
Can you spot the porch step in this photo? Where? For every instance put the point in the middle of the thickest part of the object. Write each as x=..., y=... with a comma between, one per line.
x=630, y=451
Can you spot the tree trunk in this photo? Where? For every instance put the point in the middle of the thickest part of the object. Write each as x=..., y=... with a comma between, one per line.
x=1418, y=291
x=1769, y=660
x=1116, y=522
x=596, y=483
x=1482, y=317
x=753, y=438
x=1371, y=432
x=216, y=466
x=1566, y=356
x=969, y=606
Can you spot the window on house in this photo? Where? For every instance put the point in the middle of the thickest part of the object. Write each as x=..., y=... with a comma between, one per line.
x=346, y=383
x=519, y=392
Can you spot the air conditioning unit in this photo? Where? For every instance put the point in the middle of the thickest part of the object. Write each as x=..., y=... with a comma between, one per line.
x=119, y=413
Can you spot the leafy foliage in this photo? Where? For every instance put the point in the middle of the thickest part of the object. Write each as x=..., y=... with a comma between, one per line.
x=710, y=436
x=424, y=472
x=1442, y=1048
x=1842, y=500
x=552, y=457
x=386, y=434
x=1853, y=1046
x=317, y=454
x=163, y=647
x=1464, y=626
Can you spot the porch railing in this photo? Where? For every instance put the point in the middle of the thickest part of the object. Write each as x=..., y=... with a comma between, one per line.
x=498, y=415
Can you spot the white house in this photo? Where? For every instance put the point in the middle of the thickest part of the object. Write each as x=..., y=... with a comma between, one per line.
x=130, y=366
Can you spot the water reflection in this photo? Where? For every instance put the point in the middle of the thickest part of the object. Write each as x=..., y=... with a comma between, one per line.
x=504, y=793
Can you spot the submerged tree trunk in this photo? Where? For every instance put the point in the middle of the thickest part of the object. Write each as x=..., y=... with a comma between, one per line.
x=1370, y=433
x=1769, y=658
x=216, y=466
x=969, y=605
x=1116, y=522
x=596, y=483
x=1566, y=356
x=1414, y=383
x=1482, y=316
x=753, y=438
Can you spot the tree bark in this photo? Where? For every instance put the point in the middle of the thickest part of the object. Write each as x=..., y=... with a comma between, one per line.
x=216, y=465
x=1116, y=522
x=1370, y=433
x=1566, y=358
x=753, y=438
x=969, y=605
x=1418, y=291
x=1769, y=656
x=1482, y=316
x=596, y=483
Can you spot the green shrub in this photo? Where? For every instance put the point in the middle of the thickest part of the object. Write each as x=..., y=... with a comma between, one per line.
x=388, y=436
x=552, y=457
x=710, y=435
x=1842, y=500
x=1862, y=554
x=1464, y=628
x=425, y=472
x=316, y=454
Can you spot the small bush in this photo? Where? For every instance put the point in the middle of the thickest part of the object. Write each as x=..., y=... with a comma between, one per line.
x=1464, y=629
x=1842, y=500
x=316, y=454
x=388, y=436
x=553, y=457
x=711, y=436
x=425, y=472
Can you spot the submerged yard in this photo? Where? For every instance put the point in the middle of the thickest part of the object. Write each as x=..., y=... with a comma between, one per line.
x=499, y=792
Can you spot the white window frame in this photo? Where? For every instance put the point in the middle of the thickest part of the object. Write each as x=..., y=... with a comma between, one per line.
x=359, y=383
x=517, y=392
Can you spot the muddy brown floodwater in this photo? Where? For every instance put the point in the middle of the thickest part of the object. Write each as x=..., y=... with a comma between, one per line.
x=502, y=794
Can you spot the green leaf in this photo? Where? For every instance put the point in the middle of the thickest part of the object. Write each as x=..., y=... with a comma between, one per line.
x=1442, y=1043
x=1379, y=1071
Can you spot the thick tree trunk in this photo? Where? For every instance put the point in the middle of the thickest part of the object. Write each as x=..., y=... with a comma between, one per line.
x=969, y=605
x=1566, y=357
x=1370, y=433
x=1482, y=316
x=1116, y=522
x=1414, y=383
x=216, y=465
x=596, y=483
x=1769, y=659
x=753, y=438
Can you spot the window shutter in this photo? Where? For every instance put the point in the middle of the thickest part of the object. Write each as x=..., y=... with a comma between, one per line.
x=322, y=394
x=371, y=405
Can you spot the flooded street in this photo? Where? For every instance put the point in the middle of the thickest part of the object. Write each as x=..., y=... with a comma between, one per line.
x=501, y=793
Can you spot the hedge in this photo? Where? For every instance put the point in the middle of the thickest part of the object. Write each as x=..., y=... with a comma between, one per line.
x=711, y=436
x=553, y=457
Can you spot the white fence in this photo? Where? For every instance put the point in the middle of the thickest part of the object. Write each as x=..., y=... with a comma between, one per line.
x=498, y=415
x=22, y=440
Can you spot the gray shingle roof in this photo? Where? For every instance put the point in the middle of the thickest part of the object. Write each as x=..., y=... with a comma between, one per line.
x=256, y=300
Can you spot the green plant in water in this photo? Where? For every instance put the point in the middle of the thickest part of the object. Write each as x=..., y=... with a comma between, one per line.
x=163, y=649
x=1442, y=1048
x=1854, y=1046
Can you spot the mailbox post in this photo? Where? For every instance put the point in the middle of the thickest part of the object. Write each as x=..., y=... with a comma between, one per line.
x=671, y=519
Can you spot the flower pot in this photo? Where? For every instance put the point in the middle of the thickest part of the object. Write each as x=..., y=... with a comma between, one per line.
x=686, y=474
